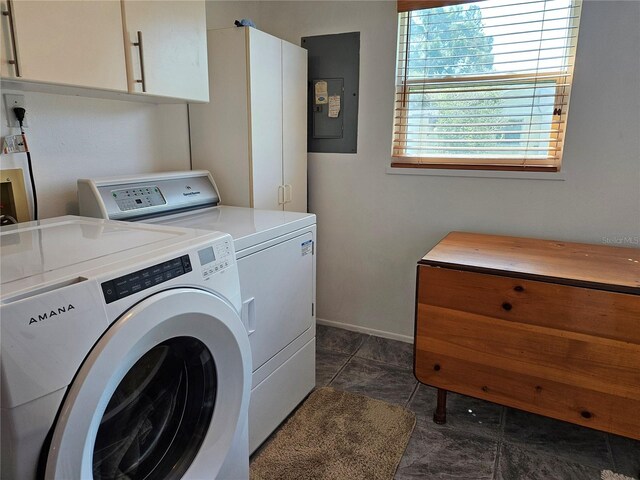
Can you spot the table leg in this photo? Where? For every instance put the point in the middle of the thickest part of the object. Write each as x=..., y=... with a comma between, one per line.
x=440, y=415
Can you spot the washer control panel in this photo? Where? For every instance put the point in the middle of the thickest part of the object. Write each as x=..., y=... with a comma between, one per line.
x=134, y=198
x=216, y=257
x=146, y=278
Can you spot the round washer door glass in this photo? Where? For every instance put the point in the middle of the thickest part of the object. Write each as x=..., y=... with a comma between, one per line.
x=159, y=414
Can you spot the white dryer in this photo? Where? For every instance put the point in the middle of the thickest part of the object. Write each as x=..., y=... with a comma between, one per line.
x=276, y=260
x=123, y=353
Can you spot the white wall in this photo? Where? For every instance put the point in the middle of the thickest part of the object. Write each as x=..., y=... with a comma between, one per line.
x=373, y=227
x=76, y=137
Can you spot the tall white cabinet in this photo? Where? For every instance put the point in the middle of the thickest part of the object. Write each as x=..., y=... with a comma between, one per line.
x=252, y=135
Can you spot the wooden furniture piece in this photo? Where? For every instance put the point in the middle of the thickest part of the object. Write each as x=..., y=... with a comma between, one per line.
x=253, y=135
x=544, y=326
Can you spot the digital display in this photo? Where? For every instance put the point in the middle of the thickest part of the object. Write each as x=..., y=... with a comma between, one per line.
x=206, y=255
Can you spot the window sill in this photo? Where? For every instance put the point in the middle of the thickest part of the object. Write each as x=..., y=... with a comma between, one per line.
x=447, y=172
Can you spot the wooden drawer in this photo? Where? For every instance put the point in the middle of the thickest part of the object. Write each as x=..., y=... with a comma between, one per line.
x=570, y=376
x=574, y=404
x=575, y=309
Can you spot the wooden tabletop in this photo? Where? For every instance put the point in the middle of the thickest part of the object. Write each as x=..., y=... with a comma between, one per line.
x=596, y=266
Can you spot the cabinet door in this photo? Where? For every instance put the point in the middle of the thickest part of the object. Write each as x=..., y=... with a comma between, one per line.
x=173, y=54
x=75, y=43
x=294, y=126
x=265, y=84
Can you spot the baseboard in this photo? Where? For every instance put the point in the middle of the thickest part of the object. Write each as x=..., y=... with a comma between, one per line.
x=368, y=331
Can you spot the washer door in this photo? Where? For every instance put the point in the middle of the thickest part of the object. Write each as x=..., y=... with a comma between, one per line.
x=160, y=396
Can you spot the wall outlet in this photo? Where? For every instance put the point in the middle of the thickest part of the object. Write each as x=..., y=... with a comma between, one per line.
x=10, y=102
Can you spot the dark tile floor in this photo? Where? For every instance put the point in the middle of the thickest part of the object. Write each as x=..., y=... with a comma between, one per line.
x=480, y=440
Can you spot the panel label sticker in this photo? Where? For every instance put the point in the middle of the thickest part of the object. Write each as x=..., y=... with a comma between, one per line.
x=307, y=247
x=321, y=92
x=334, y=106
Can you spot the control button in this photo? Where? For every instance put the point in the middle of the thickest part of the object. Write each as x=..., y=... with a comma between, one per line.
x=157, y=270
x=123, y=291
x=121, y=282
x=186, y=263
x=158, y=279
x=146, y=273
x=136, y=287
x=167, y=266
x=176, y=263
x=148, y=282
x=178, y=271
x=109, y=290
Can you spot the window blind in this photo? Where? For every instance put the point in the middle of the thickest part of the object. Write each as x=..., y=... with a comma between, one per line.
x=485, y=84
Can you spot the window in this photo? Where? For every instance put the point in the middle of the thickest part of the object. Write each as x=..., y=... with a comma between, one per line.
x=485, y=84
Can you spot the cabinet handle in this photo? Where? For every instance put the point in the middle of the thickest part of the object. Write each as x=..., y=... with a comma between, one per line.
x=140, y=50
x=280, y=194
x=287, y=193
x=12, y=29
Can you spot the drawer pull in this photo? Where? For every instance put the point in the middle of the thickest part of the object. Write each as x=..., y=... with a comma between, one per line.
x=519, y=288
x=436, y=367
x=507, y=306
x=585, y=414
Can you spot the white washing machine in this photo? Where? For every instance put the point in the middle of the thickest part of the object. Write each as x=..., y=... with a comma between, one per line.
x=123, y=353
x=276, y=259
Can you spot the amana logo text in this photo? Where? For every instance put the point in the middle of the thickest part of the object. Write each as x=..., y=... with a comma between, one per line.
x=51, y=314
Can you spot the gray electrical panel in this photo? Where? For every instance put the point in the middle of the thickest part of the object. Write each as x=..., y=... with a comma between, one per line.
x=334, y=71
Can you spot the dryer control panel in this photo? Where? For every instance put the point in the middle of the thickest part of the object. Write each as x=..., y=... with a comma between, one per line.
x=144, y=196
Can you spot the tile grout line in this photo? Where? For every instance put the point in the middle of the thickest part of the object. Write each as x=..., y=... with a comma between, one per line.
x=348, y=359
x=413, y=394
x=496, y=463
x=503, y=422
x=614, y=467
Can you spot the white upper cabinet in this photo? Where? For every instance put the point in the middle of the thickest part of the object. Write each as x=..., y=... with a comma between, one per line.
x=155, y=49
x=77, y=43
x=166, y=48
